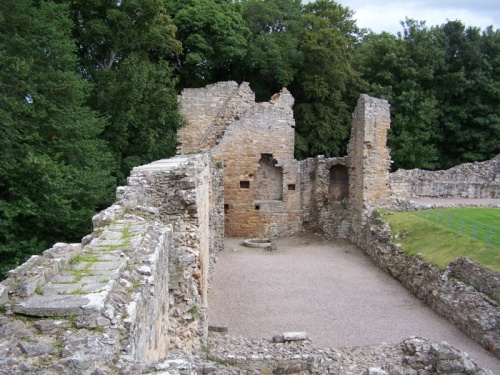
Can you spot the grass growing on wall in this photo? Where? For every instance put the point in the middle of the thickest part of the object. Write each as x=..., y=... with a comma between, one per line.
x=440, y=245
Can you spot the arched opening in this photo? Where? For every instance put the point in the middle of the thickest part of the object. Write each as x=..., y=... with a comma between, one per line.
x=338, y=190
x=268, y=182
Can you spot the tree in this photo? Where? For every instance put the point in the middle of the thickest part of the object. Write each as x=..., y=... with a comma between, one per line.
x=326, y=87
x=54, y=170
x=124, y=48
x=469, y=94
x=443, y=87
x=213, y=37
x=273, y=57
x=402, y=70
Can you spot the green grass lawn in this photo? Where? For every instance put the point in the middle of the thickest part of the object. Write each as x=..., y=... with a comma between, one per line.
x=440, y=245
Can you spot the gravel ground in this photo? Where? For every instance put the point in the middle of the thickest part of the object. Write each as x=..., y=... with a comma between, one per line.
x=331, y=290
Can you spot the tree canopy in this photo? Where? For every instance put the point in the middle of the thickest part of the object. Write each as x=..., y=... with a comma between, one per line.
x=124, y=48
x=443, y=86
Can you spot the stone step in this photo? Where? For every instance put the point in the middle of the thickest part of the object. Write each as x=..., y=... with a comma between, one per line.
x=83, y=285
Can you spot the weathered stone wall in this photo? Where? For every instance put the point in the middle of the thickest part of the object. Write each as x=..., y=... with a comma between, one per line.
x=235, y=355
x=483, y=279
x=255, y=144
x=268, y=180
x=208, y=111
x=469, y=180
x=181, y=197
x=369, y=156
x=323, y=210
x=448, y=293
x=132, y=292
x=344, y=189
x=216, y=215
x=265, y=131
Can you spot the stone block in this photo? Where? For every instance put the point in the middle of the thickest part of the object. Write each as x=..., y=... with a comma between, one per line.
x=295, y=336
x=4, y=294
x=57, y=305
x=50, y=327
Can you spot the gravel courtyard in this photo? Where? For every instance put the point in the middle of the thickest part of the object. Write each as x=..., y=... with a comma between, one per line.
x=331, y=290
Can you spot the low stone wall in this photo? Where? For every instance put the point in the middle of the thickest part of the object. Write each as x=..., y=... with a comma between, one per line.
x=484, y=280
x=132, y=292
x=469, y=180
x=235, y=355
x=448, y=293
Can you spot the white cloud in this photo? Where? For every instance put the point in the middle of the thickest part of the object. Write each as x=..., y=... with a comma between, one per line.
x=385, y=15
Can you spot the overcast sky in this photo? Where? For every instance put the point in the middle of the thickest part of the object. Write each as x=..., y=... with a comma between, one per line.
x=385, y=15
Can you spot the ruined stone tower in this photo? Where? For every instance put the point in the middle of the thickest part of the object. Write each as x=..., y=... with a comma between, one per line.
x=370, y=159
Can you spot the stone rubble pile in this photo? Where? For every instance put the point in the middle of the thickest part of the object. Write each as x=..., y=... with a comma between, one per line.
x=227, y=354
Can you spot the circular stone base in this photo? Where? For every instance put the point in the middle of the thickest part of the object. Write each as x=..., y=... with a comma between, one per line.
x=257, y=242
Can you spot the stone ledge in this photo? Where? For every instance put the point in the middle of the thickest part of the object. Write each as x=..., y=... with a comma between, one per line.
x=64, y=305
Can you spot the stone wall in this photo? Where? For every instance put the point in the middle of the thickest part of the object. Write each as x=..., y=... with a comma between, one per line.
x=236, y=355
x=178, y=190
x=216, y=215
x=448, y=293
x=254, y=142
x=132, y=292
x=482, y=279
x=343, y=189
x=208, y=111
x=469, y=180
x=323, y=210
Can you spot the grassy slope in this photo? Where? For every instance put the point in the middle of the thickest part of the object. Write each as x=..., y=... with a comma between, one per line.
x=440, y=246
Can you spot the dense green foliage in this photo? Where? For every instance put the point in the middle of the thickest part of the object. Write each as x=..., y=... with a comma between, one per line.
x=54, y=169
x=326, y=87
x=213, y=37
x=123, y=49
x=443, y=84
x=86, y=93
x=88, y=89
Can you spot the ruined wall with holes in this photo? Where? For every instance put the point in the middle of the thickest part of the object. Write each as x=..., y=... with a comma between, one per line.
x=326, y=206
x=267, y=191
x=254, y=143
x=133, y=292
x=469, y=180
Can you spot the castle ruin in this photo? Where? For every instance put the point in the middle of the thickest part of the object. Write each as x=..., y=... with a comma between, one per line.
x=267, y=193
x=131, y=298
